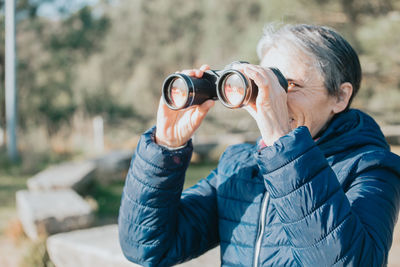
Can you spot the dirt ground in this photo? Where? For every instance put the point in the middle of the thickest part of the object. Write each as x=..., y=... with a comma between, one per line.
x=10, y=254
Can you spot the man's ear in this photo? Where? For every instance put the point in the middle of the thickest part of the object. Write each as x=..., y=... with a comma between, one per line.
x=345, y=92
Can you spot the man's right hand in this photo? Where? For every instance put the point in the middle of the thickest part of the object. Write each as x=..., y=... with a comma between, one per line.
x=175, y=127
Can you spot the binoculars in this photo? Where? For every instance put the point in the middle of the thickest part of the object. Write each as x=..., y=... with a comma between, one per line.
x=229, y=86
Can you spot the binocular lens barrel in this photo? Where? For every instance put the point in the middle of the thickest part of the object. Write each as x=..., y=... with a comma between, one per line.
x=234, y=90
x=178, y=93
x=181, y=91
x=177, y=89
x=231, y=87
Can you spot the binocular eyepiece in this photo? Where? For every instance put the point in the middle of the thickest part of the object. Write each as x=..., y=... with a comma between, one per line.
x=230, y=86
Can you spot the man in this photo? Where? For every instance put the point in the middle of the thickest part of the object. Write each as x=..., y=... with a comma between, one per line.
x=321, y=188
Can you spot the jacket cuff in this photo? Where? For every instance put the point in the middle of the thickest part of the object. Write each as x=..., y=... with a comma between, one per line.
x=163, y=168
x=290, y=162
x=160, y=157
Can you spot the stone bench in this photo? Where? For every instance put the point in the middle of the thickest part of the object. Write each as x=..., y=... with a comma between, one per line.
x=50, y=212
x=100, y=247
x=71, y=175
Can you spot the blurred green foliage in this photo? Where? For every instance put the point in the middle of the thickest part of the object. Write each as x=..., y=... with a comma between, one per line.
x=107, y=197
x=110, y=59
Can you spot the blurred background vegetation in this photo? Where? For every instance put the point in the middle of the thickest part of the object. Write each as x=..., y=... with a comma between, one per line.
x=80, y=59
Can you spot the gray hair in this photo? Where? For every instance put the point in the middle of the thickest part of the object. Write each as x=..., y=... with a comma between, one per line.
x=334, y=57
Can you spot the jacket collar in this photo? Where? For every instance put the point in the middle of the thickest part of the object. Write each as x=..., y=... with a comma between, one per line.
x=349, y=130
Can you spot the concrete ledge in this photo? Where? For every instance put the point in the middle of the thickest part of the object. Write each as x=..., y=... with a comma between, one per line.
x=90, y=248
x=71, y=175
x=100, y=247
x=46, y=213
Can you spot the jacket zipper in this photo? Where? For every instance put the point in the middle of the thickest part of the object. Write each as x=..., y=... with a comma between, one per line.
x=261, y=228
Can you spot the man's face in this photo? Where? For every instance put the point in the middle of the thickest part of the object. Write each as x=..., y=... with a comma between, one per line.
x=308, y=101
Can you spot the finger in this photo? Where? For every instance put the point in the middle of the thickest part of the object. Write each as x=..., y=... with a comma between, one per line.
x=189, y=72
x=261, y=73
x=199, y=73
x=202, y=110
x=266, y=72
x=161, y=104
x=260, y=79
x=204, y=67
x=239, y=66
x=162, y=108
x=251, y=109
x=270, y=84
x=161, y=112
x=207, y=105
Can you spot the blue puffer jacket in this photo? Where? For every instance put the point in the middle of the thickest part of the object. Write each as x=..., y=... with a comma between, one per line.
x=300, y=202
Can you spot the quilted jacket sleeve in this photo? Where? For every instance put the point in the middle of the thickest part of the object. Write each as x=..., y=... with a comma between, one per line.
x=157, y=225
x=325, y=225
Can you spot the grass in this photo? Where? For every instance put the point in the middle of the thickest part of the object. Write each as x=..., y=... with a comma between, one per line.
x=198, y=171
x=13, y=177
x=107, y=197
x=9, y=185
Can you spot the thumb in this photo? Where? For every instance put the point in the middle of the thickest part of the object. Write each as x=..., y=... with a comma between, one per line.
x=206, y=106
x=251, y=109
x=202, y=110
